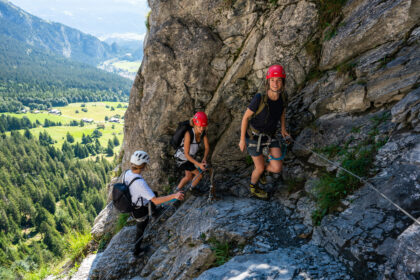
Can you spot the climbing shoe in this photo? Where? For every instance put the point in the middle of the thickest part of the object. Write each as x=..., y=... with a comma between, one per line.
x=263, y=178
x=257, y=192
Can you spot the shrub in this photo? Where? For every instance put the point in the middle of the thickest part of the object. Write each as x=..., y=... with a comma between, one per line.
x=104, y=241
x=77, y=244
x=147, y=23
x=221, y=251
x=358, y=160
x=121, y=222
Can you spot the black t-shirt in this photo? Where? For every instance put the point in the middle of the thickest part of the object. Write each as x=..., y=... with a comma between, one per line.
x=266, y=121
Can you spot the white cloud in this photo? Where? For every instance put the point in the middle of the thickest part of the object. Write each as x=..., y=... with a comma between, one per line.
x=68, y=13
x=124, y=36
x=132, y=2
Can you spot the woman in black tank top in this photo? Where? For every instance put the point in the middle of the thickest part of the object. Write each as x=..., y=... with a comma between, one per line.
x=263, y=126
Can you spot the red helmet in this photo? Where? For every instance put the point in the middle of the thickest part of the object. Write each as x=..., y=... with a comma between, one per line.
x=200, y=119
x=275, y=71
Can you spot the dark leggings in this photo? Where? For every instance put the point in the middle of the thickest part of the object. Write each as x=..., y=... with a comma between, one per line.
x=141, y=226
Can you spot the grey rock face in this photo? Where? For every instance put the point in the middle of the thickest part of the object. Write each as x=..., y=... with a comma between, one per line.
x=196, y=61
x=407, y=110
x=181, y=246
x=396, y=78
x=366, y=231
x=368, y=24
x=306, y=262
x=212, y=56
x=105, y=221
x=405, y=260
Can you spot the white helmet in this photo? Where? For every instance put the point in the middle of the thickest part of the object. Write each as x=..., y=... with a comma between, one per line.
x=139, y=157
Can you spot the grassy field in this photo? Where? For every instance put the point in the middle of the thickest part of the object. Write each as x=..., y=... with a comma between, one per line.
x=130, y=66
x=58, y=133
x=42, y=116
x=95, y=110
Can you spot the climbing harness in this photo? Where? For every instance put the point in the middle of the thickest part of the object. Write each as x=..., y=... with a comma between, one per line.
x=359, y=178
x=283, y=143
x=263, y=144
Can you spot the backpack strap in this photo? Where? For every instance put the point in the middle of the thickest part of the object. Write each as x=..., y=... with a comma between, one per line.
x=263, y=103
x=190, y=131
x=128, y=188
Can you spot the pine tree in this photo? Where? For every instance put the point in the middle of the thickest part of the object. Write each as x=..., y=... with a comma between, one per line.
x=49, y=202
x=110, y=149
x=116, y=141
x=69, y=137
x=28, y=134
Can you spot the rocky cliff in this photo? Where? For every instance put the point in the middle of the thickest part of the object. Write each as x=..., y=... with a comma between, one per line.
x=352, y=81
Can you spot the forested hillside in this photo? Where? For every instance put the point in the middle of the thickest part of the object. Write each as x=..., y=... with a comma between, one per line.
x=31, y=77
x=47, y=198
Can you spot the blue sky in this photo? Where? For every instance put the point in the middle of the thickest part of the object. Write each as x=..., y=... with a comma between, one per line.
x=100, y=18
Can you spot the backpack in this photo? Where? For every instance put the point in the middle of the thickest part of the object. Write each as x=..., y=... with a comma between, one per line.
x=121, y=196
x=180, y=132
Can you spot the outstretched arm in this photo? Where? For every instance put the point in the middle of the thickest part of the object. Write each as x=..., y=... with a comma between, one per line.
x=163, y=199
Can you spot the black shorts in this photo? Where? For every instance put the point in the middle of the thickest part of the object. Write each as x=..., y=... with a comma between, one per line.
x=188, y=166
x=252, y=151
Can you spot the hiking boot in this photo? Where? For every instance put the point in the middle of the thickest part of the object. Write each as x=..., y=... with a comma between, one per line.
x=257, y=192
x=263, y=178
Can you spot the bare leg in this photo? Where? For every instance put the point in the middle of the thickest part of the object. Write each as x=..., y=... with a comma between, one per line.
x=197, y=178
x=275, y=166
x=188, y=177
x=259, y=168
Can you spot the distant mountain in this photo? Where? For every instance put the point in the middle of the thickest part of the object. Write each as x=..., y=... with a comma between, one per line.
x=39, y=65
x=31, y=77
x=130, y=46
x=54, y=38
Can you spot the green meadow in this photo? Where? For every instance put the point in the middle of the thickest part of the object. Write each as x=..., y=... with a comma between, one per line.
x=95, y=110
x=130, y=66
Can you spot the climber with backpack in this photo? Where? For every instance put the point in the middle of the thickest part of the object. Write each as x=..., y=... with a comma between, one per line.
x=142, y=201
x=187, y=140
x=259, y=126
